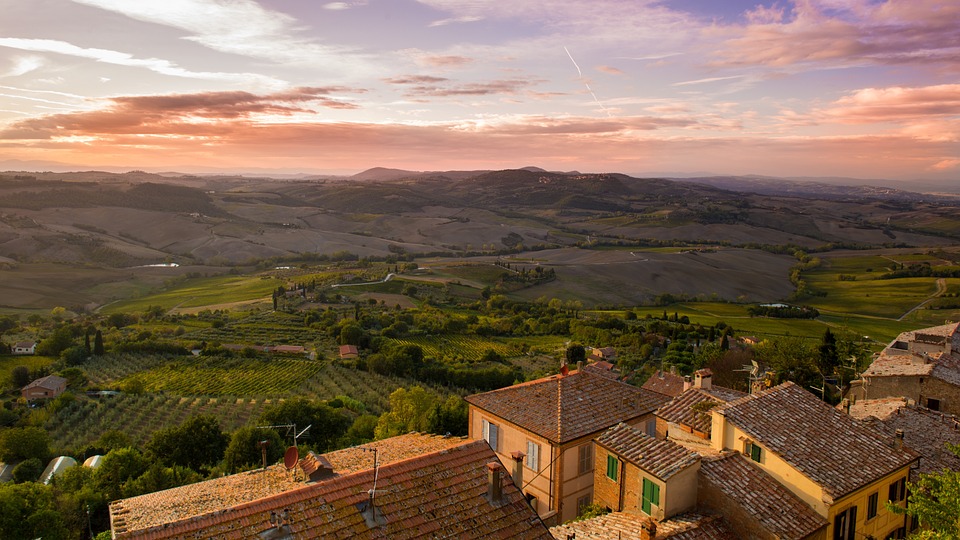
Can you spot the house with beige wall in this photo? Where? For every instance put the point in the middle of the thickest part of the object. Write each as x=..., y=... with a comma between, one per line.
x=636, y=472
x=544, y=430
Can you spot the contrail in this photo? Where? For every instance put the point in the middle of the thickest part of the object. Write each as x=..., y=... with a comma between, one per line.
x=580, y=75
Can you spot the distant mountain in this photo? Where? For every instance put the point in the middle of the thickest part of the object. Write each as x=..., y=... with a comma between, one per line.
x=819, y=188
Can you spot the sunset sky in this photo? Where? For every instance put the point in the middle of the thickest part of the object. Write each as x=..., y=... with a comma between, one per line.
x=858, y=88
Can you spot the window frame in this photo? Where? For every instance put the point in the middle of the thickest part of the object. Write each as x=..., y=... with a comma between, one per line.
x=585, y=458
x=873, y=504
x=489, y=427
x=849, y=519
x=898, y=489
x=532, y=459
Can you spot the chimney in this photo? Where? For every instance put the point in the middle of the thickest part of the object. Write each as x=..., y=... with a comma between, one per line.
x=518, y=468
x=898, y=440
x=648, y=529
x=673, y=370
x=564, y=370
x=704, y=379
x=495, y=482
x=686, y=383
x=263, y=451
x=846, y=406
x=579, y=366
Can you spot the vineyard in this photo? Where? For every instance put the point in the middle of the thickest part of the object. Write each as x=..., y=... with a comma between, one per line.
x=217, y=376
x=471, y=348
x=272, y=327
x=139, y=416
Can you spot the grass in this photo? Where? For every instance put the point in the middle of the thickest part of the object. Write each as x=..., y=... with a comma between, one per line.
x=199, y=292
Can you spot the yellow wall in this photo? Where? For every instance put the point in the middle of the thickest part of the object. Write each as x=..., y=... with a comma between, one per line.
x=728, y=436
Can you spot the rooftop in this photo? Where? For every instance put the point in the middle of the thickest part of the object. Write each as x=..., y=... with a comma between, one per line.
x=926, y=431
x=828, y=447
x=776, y=508
x=50, y=382
x=154, y=509
x=660, y=458
x=690, y=407
x=562, y=408
x=623, y=525
x=915, y=353
x=437, y=495
x=666, y=383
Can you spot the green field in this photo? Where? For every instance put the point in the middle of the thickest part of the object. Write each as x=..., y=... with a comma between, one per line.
x=200, y=292
x=8, y=362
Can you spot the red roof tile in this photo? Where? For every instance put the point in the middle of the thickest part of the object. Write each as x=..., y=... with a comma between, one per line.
x=626, y=525
x=660, y=458
x=668, y=384
x=691, y=407
x=759, y=495
x=438, y=495
x=562, y=408
x=828, y=447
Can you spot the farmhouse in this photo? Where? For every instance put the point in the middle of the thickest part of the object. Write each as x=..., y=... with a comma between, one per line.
x=47, y=387
x=348, y=352
x=24, y=347
x=545, y=429
x=922, y=365
x=460, y=491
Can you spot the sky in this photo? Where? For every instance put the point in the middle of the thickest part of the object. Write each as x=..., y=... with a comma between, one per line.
x=851, y=88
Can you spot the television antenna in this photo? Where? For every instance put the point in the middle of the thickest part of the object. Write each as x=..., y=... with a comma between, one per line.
x=371, y=514
x=291, y=428
x=755, y=374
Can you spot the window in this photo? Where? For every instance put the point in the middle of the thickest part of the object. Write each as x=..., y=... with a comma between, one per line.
x=897, y=534
x=651, y=496
x=845, y=524
x=583, y=502
x=651, y=428
x=612, y=466
x=753, y=451
x=533, y=456
x=872, y=505
x=585, y=458
x=898, y=490
x=491, y=434
x=532, y=501
x=933, y=404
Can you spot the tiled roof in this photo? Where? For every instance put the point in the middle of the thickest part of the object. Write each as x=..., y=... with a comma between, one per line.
x=50, y=382
x=660, y=458
x=928, y=432
x=183, y=502
x=562, y=408
x=776, y=508
x=662, y=382
x=898, y=360
x=603, y=368
x=437, y=495
x=947, y=368
x=895, y=362
x=24, y=344
x=681, y=409
x=624, y=525
x=828, y=447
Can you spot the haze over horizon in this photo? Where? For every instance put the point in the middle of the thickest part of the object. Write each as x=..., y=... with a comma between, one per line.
x=859, y=88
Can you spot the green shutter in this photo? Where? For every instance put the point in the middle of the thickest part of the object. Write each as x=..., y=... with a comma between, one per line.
x=612, y=467
x=651, y=496
x=755, y=453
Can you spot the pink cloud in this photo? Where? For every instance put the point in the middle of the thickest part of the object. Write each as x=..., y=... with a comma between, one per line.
x=609, y=70
x=896, y=104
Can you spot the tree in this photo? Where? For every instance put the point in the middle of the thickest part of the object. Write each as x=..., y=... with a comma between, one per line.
x=57, y=342
x=244, y=451
x=98, y=343
x=451, y=417
x=409, y=410
x=827, y=359
x=197, y=443
x=157, y=478
x=933, y=501
x=117, y=468
x=28, y=471
x=27, y=511
x=362, y=430
x=24, y=443
x=74, y=356
x=20, y=376
x=576, y=353
x=327, y=424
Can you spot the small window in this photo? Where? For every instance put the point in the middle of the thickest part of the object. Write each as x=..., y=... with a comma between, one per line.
x=491, y=435
x=532, y=460
x=898, y=490
x=651, y=428
x=872, y=501
x=845, y=524
x=933, y=404
x=754, y=452
x=585, y=458
x=612, y=466
x=582, y=503
x=897, y=534
x=532, y=501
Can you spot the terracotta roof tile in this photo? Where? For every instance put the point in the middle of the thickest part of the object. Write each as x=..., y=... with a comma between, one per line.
x=660, y=458
x=437, y=495
x=776, y=508
x=825, y=445
x=668, y=384
x=624, y=525
x=50, y=382
x=928, y=432
x=686, y=408
x=562, y=408
x=183, y=502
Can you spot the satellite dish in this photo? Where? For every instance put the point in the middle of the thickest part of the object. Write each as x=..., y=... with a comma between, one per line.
x=291, y=457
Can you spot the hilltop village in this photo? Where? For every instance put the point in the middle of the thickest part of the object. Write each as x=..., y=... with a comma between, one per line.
x=678, y=457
